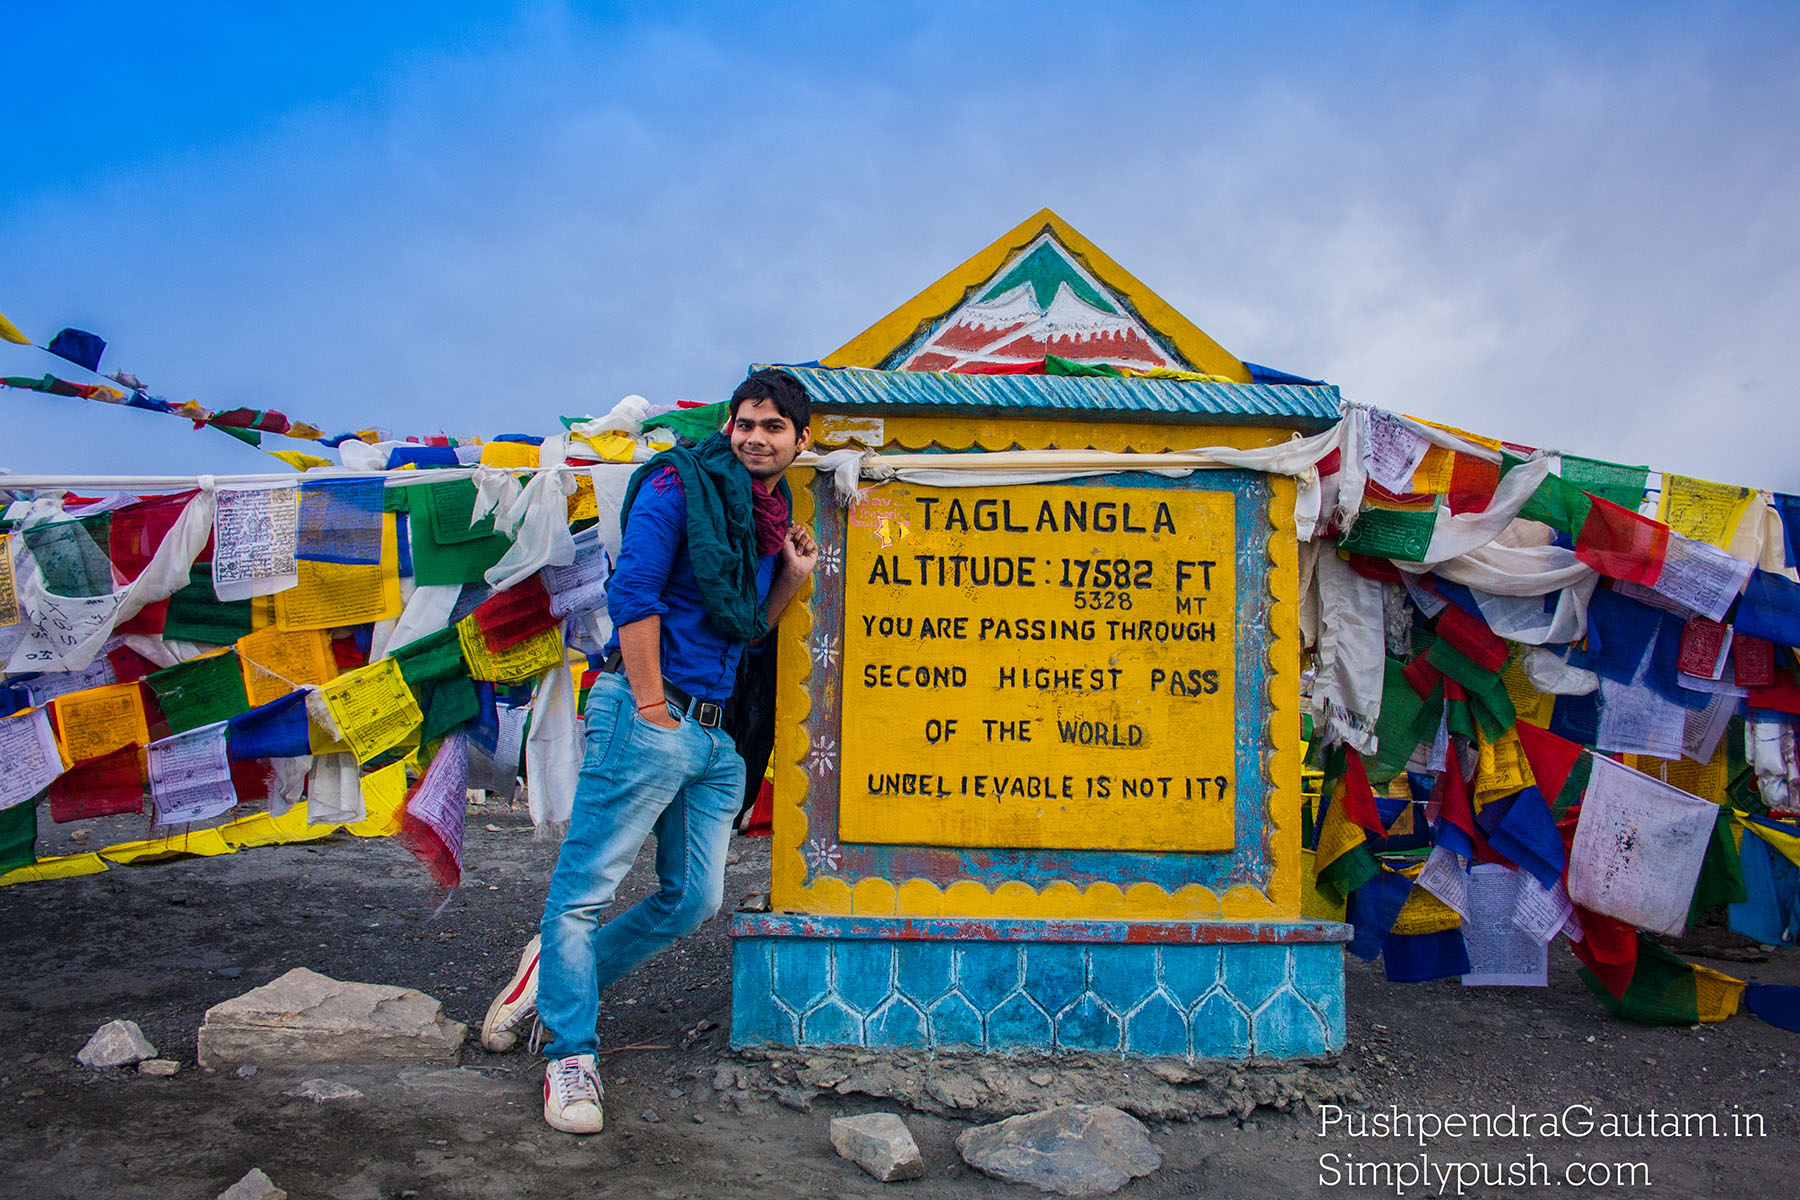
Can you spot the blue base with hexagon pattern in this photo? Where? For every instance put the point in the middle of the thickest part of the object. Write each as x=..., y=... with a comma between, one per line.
x=1230, y=990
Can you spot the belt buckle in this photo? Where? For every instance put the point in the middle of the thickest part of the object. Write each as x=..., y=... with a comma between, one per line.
x=708, y=714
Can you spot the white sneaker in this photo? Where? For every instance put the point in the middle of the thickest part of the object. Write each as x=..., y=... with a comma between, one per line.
x=514, y=1006
x=573, y=1095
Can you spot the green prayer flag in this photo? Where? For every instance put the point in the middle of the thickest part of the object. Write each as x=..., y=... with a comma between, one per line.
x=434, y=669
x=1612, y=481
x=18, y=835
x=1391, y=533
x=200, y=691
x=1068, y=366
x=434, y=657
x=695, y=424
x=1721, y=874
x=1574, y=787
x=445, y=548
x=73, y=555
x=1405, y=721
x=196, y=614
x=1460, y=667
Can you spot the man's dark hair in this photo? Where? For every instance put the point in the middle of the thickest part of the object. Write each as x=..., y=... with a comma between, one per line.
x=788, y=393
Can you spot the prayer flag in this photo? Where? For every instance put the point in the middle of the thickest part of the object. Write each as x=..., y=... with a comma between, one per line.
x=1638, y=848
x=107, y=786
x=1618, y=542
x=201, y=691
x=1664, y=990
x=79, y=347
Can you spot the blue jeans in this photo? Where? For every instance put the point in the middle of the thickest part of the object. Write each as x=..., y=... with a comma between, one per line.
x=684, y=785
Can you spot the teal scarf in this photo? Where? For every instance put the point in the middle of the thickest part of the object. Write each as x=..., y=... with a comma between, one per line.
x=721, y=532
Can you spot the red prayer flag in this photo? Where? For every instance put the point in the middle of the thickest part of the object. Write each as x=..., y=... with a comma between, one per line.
x=1619, y=543
x=521, y=611
x=107, y=786
x=1551, y=758
x=1470, y=634
x=1450, y=796
x=1608, y=948
x=1701, y=643
x=1753, y=661
x=1472, y=483
x=1359, y=797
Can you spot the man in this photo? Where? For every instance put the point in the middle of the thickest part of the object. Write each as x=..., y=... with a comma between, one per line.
x=708, y=563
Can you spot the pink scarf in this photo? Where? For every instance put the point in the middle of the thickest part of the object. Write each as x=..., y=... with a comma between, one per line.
x=772, y=513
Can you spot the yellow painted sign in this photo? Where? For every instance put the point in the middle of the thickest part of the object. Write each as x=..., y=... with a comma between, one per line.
x=1040, y=667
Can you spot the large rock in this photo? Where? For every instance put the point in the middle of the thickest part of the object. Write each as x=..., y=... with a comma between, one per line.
x=1074, y=1150
x=306, y=1017
x=253, y=1186
x=116, y=1044
x=880, y=1144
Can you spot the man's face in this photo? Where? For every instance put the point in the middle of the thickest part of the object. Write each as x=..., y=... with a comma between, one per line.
x=764, y=440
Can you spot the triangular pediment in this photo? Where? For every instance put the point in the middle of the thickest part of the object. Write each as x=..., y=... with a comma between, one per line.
x=1042, y=289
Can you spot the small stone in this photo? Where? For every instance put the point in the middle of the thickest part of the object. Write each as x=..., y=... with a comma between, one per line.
x=880, y=1144
x=1073, y=1150
x=31, y=1093
x=80, y=835
x=322, y=1091
x=245, y=1071
x=158, y=1066
x=699, y=1118
x=254, y=1186
x=649, y=1117
x=1042, y=1078
x=116, y=1044
x=229, y=972
x=493, y=829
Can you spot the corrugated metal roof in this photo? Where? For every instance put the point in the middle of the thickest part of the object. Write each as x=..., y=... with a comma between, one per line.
x=1145, y=399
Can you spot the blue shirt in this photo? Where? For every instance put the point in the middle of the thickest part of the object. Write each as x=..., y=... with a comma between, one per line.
x=654, y=578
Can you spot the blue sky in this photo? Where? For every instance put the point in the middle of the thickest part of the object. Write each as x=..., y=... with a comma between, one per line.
x=1569, y=228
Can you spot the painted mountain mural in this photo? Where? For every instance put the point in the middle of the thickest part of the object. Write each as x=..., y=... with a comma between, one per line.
x=1041, y=302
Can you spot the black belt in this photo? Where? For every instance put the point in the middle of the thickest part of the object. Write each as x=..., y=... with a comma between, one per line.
x=703, y=712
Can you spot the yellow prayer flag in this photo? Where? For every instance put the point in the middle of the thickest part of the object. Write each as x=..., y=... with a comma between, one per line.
x=1501, y=769
x=1716, y=994
x=612, y=445
x=10, y=333
x=527, y=660
x=1706, y=780
x=9, y=592
x=1530, y=704
x=1787, y=843
x=100, y=720
x=1424, y=913
x=582, y=504
x=276, y=662
x=384, y=802
x=1314, y=904
x=373, y=707
x=1479, y=439
x=509, y=456
x=263, y=829
x=333, y=594
x=1703, y=510
x=204, y=842
x=299, y=460
x=65, y=866
x=1432, y=477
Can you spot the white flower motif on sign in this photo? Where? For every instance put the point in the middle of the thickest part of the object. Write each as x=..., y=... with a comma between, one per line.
x=825, y=651
x=822, y=757
x=822, y=856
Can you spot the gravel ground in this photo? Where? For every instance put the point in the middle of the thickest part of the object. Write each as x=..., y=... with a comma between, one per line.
x=159, y=944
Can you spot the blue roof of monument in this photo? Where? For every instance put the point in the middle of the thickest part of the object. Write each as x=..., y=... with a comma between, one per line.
x=1086, y=395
